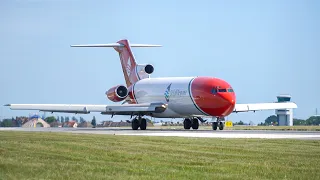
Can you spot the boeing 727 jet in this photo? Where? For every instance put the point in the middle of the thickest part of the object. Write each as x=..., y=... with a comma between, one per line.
x=190, y=98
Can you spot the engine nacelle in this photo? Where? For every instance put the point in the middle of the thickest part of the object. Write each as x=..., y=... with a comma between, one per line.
x=117, y=93
x=144, y=70
x=148, y=69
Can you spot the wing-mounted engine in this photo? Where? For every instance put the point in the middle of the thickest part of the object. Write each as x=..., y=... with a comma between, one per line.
x=117, y=93
x=144, y=70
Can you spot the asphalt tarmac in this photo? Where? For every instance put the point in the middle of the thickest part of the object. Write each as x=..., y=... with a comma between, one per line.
x=263, y=134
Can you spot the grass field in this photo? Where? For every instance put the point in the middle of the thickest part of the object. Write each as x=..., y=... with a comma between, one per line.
x=35, y=155
x=282, y=128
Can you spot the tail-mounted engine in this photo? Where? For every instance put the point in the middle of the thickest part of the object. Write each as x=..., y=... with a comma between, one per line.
x=148, y=69
x=145, y=70
x=117, y=93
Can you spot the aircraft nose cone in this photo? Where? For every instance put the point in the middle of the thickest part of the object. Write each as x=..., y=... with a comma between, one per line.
x=209, y=102
x=229, y=102
x=228, y=97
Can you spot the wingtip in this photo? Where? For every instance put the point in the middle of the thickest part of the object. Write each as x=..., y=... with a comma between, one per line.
x=75, y=45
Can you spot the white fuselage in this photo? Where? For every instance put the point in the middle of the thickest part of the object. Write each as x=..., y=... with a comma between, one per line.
x=174, y=91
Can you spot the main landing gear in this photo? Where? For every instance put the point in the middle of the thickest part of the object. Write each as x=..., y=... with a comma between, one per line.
x=217, y=124
x=188, y=123
x=139, y=122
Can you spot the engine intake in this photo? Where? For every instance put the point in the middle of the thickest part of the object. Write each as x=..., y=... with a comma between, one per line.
x=117, y=93
x=149, y=69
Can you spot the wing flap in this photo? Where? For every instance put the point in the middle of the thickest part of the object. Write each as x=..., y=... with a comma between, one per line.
x=263, y=106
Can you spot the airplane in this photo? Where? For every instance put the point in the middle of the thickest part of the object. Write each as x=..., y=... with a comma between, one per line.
x=190, y=98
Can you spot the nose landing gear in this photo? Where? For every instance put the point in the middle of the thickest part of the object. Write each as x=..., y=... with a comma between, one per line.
x=218, y=123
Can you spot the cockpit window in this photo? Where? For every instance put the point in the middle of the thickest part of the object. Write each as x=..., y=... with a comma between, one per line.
x=215, y=90
x=222, y=90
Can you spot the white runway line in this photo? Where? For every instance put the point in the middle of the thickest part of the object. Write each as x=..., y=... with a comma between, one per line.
x=214, y=135
x=200, y=134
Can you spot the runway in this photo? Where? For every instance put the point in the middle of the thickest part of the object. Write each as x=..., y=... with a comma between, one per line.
x=262, y=134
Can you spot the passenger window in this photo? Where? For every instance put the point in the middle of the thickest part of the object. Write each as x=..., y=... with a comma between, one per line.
x=222, y=90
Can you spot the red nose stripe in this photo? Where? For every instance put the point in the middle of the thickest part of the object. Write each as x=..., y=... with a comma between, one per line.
x=210, y=104
x=198, y=90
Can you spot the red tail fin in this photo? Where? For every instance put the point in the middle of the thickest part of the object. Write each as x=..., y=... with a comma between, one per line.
x=128, y=62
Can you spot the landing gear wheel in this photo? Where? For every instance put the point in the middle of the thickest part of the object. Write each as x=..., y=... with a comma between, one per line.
x=195, y=123
x=214, y=125
x=135, y=124
x=221, y=125
x=143, y=124
x=187, y=123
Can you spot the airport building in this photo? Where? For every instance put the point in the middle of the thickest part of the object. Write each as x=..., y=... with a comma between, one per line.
x=284, y=116
x=35, y=121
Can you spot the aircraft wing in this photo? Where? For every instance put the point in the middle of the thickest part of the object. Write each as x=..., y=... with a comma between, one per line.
x=263, y=106
x=125, y=109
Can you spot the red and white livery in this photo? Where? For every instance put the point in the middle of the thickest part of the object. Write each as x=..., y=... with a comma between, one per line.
x=190, y=98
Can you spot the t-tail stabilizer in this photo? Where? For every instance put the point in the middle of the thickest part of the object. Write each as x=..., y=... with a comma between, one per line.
x=131, y=70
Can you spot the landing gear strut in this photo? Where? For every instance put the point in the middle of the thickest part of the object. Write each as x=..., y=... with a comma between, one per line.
x=139, y=122
x=217, y=124
x=188, y=123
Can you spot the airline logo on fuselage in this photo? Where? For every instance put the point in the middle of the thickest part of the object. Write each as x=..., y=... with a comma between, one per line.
x=167, y=93
x=173, y=93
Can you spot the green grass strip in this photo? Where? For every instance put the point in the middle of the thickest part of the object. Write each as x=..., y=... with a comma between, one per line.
x=36, y=155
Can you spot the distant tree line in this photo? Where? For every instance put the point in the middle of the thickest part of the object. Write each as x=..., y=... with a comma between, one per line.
x=238, y=123
x=13, y=122
x=313, y=120
x=242, y=123
x=62, y=119
x=7, y=123
x=271, y=120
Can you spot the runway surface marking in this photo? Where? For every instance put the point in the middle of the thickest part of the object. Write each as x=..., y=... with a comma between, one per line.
x=237, y=135
x=262, y=134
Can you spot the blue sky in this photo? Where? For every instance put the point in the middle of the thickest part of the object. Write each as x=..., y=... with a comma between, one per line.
x=262, y=48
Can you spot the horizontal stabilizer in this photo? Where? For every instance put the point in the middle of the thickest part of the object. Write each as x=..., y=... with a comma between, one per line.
x=115, y=45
